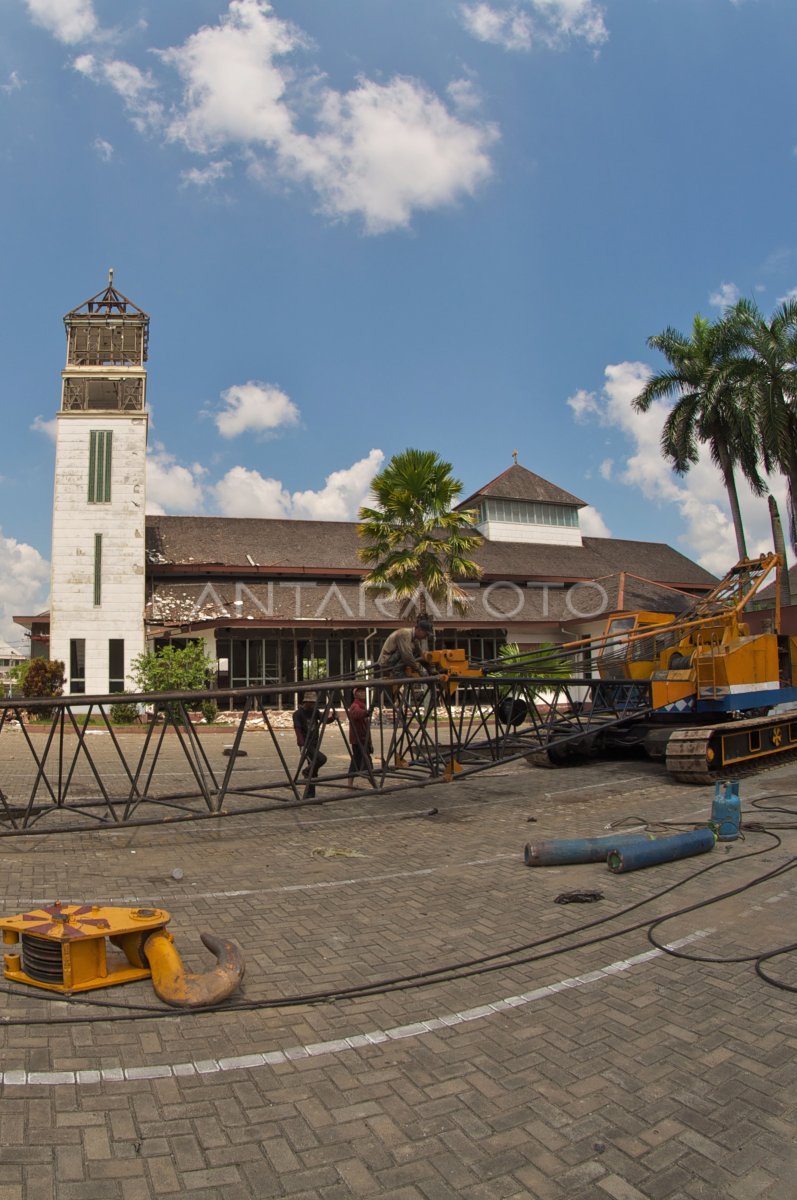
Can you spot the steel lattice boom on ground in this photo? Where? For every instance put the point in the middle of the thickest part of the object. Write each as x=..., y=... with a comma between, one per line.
x=64, y=765
x=702, y=688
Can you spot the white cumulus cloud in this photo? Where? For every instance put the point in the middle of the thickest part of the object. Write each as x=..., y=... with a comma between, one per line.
x=24, y=583
x=522, y=24
x=342, y=494
x=699, y=495
x=171, y=487
x=48, y=427
x=387, y=150
x=584, y=405
x=508, y=28
x=13, y=84
x=135, y=88
x=254, y=407
x=203, y=177
x=68, y=20
x=464, y=95
x=246, y=493
x=725, y=296
x=381, y=151
x=592, y=523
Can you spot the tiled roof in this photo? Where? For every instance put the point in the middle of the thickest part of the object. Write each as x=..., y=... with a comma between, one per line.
x=517, y=483
x=634, y=594
x=250, y=541
x=284, y=548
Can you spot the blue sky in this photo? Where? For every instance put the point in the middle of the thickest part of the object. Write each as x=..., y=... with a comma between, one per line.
x=360, y=225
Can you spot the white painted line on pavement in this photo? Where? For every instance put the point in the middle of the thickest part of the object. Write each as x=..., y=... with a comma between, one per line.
x=287, y=887
x=357, y=1041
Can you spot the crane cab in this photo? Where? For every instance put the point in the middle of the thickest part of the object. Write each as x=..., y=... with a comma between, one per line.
x=631, y=644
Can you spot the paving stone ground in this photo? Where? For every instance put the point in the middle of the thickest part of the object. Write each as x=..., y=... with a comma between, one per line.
x=571, y=1061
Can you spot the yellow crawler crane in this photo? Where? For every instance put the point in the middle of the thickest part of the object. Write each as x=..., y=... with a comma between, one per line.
x=709, y=679
x=62, y=948
x=693, y=687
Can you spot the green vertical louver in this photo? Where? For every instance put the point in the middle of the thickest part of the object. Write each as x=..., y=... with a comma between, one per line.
x=100, y=443
x=97, y=568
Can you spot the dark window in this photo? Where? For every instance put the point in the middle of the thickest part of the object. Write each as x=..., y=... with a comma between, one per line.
x=116, y=665
x=77, y=665
x=100, y=442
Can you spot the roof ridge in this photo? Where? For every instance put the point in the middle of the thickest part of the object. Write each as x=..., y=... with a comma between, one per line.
x=546, y=491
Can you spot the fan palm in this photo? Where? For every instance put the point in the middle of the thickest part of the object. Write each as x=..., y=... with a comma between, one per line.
x=709, y=407
x=414, y=542
x=767, y=374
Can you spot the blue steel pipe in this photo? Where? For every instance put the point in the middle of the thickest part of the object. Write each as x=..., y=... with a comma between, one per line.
x=560, y=852
x=666, y=849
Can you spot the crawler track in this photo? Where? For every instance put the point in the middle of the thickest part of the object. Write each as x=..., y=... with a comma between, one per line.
x=706, y=753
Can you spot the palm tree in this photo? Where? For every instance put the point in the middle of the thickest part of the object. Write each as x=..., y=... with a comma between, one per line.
x=767, y=374
x=415, y=544
x=710, y=407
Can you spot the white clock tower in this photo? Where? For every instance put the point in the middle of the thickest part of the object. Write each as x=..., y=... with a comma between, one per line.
x=97, y=583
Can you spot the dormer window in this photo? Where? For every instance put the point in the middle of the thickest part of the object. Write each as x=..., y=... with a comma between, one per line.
x=526, y=512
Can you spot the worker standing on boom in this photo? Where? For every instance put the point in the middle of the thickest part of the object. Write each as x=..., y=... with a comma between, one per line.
x=402, y=653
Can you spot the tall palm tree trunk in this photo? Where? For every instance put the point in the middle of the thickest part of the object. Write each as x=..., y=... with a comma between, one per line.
x=726, y=467
x=779, y=543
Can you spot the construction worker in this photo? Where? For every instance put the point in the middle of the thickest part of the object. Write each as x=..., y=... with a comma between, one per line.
x=362, y=746
x=402, y=653
x=308, y=725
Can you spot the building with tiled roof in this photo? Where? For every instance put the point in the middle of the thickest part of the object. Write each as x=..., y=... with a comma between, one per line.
x=519, y=506
x=291, y=592
x=277, y=600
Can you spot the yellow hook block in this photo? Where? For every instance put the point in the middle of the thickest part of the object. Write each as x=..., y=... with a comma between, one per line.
x=64, y=948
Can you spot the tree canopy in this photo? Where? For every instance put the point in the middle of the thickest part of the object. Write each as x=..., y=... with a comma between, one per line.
x=733, y=383
x=709, y=407
x=414, y=541
x=765, y=372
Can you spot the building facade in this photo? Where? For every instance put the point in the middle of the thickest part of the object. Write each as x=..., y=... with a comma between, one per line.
x=278, y=601
x=8, y=659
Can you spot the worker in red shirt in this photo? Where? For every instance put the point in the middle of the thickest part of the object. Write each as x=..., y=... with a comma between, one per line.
x=360, y=737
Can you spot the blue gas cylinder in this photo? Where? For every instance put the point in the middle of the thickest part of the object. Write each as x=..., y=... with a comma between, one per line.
x=726, y=810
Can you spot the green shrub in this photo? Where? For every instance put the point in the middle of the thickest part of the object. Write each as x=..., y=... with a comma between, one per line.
x=174, y=669
x=123, y=713
x=43, y=677
x=18, y=674
x=210, y=710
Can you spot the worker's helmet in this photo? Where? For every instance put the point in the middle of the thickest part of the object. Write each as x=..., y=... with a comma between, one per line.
x=424, y=624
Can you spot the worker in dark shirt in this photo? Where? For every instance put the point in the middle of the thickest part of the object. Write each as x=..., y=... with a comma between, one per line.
x=307, y=725
x=402, y=653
